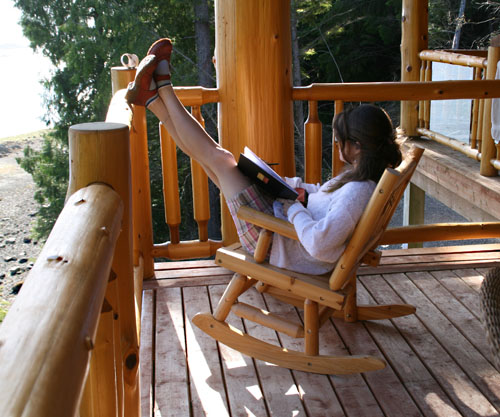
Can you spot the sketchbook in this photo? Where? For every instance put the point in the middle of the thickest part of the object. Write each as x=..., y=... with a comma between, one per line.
x=264, y=176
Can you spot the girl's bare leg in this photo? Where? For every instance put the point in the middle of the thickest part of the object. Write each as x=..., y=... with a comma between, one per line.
x=192, y=139
x=160, y=111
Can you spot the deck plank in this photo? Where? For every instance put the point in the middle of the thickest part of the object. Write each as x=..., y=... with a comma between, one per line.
x=457, y=365
x=385, y=385
x=406, y=345
x=438, y=359
x=471, y=277
x=473, y=363
x=244, y=392
x=208, y=394
x=452, y=309
x=146, y=354
x=171, y=381
x=460, y=290
x=317, y=392
x=279, y=388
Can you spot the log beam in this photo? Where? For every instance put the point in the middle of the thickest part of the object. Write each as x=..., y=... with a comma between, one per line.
x=50, y=331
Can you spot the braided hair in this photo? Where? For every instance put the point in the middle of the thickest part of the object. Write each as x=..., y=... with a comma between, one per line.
x=371, y=128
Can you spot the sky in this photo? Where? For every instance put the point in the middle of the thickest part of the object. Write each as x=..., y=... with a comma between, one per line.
x=21, y=70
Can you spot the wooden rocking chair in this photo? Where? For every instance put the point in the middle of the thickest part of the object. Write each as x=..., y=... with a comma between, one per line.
x=319, y=296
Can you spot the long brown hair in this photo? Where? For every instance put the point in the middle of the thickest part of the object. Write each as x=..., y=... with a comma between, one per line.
x=371, y=128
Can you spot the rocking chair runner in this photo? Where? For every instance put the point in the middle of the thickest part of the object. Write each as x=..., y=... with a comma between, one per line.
x=319, y=297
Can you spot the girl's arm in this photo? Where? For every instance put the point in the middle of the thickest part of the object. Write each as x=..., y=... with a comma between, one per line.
x=321, y=237
x=296, y=182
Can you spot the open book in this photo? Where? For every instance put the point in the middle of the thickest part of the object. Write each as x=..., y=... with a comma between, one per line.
x=264, y=176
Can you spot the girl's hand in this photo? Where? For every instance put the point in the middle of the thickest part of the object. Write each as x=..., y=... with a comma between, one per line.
x=280, y=207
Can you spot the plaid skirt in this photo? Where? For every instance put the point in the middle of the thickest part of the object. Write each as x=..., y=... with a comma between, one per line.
x=255, y=198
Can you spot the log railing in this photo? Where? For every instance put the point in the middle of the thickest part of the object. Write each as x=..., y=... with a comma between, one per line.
x=77, y=309
x=109, y=191
x=481, y=146
x=195, y=97
x=373, y=92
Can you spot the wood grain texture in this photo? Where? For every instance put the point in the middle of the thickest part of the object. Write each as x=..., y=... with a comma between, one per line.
x=47, y=337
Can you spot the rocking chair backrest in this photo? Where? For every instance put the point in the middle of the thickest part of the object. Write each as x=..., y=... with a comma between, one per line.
x=375, y=218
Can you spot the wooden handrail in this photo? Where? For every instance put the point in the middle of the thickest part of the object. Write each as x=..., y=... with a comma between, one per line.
x=440, y=231
x=395, y=91
x=49, y=333
x=455, y=144
x=197, y=96
x=455, y=58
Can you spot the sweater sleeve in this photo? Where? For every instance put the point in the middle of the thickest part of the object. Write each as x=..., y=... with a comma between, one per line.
x=296, y=182
x=321, y=237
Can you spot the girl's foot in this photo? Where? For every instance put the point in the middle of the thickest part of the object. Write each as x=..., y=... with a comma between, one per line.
x=162, y=49
x=142, y=91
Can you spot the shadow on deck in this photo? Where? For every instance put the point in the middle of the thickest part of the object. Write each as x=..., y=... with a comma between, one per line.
x=438, y=361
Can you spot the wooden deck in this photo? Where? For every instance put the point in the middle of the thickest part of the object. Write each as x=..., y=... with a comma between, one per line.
x=439, y=362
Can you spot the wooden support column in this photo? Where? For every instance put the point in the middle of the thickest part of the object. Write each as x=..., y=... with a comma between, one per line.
x=253, y=61
x=414, y=209
x=413, y=40
x=141, y=191
x=88, y=142
x=488, y=149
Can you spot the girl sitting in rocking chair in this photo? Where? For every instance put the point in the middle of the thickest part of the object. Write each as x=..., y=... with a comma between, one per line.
x=367, y=144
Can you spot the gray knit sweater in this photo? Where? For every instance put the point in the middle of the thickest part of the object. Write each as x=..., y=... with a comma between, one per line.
x=323, y=228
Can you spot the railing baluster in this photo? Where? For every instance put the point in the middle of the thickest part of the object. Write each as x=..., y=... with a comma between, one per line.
x=421, y=105
x=336, y=162
x=427, y=103
x=480, y=119
x=475, y=113
x=170, y=184
x=312, y=145
x=201, y=201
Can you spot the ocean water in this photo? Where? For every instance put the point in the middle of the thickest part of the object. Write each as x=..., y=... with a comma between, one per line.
x=21, y=69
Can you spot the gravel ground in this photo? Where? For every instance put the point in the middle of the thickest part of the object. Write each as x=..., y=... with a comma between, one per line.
x=18, y=250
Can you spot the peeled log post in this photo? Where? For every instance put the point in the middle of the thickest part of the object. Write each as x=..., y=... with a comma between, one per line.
x=141, y=190
x=254, y=79
x=47, y=337
x=488, y=149
x=413, y=40
x=90, y=145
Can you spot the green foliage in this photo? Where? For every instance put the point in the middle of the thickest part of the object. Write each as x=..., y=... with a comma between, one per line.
x=481, y=21
x=340, y=40
x=4, y=307
x=349, y=40
x=49, y=169
x=84, y=39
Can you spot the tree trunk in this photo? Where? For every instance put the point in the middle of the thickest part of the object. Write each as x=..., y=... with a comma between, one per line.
x=204, y=45
x=460, y=23
x=204, y=54
x=298, y=108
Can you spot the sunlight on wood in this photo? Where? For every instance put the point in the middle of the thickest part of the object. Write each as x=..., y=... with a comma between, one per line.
x=439, y=406
x=201, y=373
x=255, y=391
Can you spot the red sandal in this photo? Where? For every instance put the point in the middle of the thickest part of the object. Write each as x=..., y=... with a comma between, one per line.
x=138, y=91
x=162, y=49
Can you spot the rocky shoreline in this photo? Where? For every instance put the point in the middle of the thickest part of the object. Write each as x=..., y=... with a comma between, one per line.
x=18, y=249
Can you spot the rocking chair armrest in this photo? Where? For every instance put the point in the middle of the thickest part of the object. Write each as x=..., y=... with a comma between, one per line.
x=268, y=222
x=440, y=231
